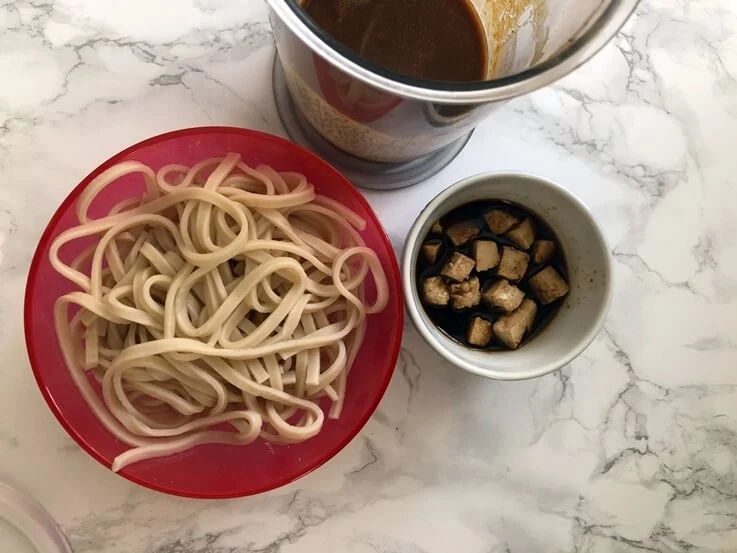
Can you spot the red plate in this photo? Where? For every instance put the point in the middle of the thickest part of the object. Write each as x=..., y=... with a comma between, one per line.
x=213, y=471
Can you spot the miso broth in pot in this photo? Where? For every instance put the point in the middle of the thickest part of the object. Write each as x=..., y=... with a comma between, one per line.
x=418, y=75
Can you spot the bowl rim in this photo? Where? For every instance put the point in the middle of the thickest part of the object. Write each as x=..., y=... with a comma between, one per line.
x=413, y=305
x=32, y=348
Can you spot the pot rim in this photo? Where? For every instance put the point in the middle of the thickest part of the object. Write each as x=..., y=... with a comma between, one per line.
x=599, y=32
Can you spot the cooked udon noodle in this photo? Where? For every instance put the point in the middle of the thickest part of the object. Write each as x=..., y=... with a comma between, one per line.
x=220, y=306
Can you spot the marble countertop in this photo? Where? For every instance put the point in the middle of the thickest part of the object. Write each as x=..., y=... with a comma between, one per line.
x=631, y=448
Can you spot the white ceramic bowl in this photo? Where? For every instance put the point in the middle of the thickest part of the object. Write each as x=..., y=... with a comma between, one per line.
x=589, y=273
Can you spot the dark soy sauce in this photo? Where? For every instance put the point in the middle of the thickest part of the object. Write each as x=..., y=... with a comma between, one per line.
x=454, y=323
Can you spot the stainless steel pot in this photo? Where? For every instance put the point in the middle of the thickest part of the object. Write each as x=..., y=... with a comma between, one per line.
x=384, y=117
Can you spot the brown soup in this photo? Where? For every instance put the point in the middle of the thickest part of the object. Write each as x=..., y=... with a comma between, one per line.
x=440, y=40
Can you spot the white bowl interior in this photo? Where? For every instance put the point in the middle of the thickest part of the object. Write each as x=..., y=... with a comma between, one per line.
x=589, y=273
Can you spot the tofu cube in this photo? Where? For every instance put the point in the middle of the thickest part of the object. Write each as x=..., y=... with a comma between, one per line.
x=435, y=292
x=523, y=235
x=486, y=253
x=458, y=267
x=513, y=265
x=436, y=228
x=462, y=233
x=548, y=285
x=466, y=294
x=500, y=221
x=504, y=296
x=543, y=251
x=431, y=250
x=511, y=328
x=479, y=332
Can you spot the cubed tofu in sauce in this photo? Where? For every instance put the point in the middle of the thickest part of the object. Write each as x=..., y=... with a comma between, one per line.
x=431, y=250
x=523, y=235
x=500, y=221
x=466, y=294
x=548, y=285
x=462, y=233
x=479, y=332
x=486, y=254
x=458, y=267
x=435, y=292
x=543, y=252
x=513, y=264
x=503, y=295
x=510, y=329
x=491, y=274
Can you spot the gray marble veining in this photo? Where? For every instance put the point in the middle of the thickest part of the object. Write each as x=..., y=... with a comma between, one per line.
x=631, y=448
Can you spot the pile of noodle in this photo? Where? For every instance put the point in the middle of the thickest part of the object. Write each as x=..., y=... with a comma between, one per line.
x=221, y=306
